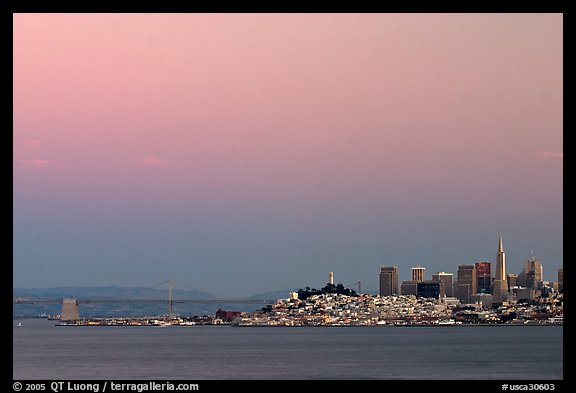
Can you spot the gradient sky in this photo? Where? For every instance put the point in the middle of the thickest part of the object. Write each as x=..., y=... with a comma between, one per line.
x=244, y=153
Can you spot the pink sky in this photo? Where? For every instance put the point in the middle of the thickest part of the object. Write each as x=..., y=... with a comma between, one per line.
x=295, y=120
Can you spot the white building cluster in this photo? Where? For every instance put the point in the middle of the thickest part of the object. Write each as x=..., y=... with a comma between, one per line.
x=340, y=310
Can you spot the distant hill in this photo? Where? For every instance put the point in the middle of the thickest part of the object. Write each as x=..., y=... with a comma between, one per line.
x=112, y=292
x=115, y=292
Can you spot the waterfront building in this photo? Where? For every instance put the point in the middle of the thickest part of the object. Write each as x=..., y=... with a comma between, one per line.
x=226, y=316
x=388, y=281
x=69, y=310
x=447, y=279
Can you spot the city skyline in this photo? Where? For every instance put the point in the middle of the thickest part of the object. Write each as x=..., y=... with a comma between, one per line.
x=410, y=277
x=246, y=153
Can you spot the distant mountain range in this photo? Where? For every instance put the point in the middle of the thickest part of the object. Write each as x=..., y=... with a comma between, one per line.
x=112, y=292
x=116, y=292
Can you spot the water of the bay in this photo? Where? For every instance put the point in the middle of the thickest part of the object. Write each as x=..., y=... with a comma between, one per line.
x=44, y=351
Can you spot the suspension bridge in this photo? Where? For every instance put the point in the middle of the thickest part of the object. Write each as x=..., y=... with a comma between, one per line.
x=170, y=301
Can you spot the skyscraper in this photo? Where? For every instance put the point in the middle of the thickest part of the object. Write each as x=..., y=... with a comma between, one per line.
x=531, y=275
x=388, y=281
x=512, y=280
x=466, y=285
x=447, y=279
x=536, y=265
x=500, y=288
x=418, y=273
x=483, y=277
x=561, y=279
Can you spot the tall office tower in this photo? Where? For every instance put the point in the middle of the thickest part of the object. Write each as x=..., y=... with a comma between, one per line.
x=466, y=284
x=538, y=270
x=511, y=280
x=531, y=275
x=447, y=279
x=69, y=310
x=561, y=279
x=388, y=281
x=483, y=277
x=500, y=288
x=418, y=273
x=409, y=288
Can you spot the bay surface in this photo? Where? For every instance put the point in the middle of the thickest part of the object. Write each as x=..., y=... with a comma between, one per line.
x=44, y=351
